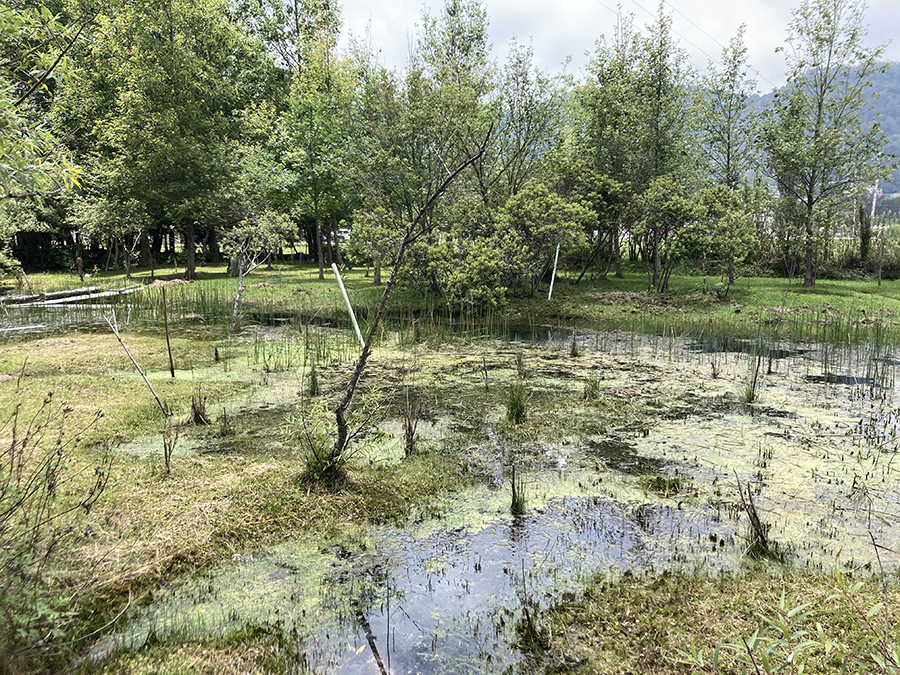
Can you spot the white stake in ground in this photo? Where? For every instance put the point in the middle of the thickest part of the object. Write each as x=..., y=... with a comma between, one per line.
x=362, y=343
x=553, y=278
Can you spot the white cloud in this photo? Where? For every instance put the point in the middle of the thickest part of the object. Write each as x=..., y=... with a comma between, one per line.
x=569, y=28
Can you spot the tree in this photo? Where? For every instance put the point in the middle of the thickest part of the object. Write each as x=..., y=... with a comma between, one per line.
x=666, y=213
x=531, y=225
x=250, y=243
x=160, y=101
x=633, y=122
x=528, y=117
x=819, y=150
x=33, y=58
x=314, y=123
x=723, y=106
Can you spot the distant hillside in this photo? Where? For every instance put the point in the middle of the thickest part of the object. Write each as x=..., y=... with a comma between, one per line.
x=886, y=86
x=887, y=105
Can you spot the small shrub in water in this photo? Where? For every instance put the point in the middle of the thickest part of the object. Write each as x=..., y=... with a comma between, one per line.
x=520, y=365
x=747, y=393
x=663, y=485
x=198, y=409
x=312, y=380
x=226, y=425
x=517, y=404
x=573, y=347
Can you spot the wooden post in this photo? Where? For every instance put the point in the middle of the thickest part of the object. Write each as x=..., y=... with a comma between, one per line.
x=166, y=321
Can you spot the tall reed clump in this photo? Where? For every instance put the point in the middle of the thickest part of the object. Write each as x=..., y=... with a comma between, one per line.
x=517, y=403
x=412, y=411
x=517, y=481
x=759, y=544
x=748, y=394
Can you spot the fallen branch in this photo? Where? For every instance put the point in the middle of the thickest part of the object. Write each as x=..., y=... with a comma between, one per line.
x=114, y=327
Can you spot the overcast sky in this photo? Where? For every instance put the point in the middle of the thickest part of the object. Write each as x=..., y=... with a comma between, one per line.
x=569, y=28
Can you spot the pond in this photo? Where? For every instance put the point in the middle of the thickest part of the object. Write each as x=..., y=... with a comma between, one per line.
x=461, y=585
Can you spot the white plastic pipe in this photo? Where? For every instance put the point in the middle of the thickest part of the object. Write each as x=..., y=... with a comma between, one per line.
x=362, y=343
x=553, y=278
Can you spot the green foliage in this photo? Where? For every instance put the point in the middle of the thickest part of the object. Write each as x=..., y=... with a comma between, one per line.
x=790, y=634
x=312, y=426
x=517, y=483
x=38, y=519
x=34, y=58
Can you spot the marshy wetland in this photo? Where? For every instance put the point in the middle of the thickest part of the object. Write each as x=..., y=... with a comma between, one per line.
x=677, y=478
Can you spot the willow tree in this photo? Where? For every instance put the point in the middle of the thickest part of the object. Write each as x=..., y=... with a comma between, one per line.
x=819, y=150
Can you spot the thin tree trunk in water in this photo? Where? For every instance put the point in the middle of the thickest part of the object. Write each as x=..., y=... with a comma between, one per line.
x=190, y=251
x=340, y=410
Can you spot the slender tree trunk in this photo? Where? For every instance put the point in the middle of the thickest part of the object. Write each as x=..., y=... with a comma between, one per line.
x=340, y=410
x=318, y=230
x=190, y=251
x=337, y=244
x=809, y=278
x=601, y=240
x=376, y=276
x=703, y=270
x=616, y=252
x=329, y=248
x=237, y=296
x=657, y=260
x=145, y=249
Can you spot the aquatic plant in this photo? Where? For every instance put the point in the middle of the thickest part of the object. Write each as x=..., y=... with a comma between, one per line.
x=529, y=635
x=517, y=403
x=312, y=426
x=312, y=379
x=412, y=411
x=520, y=366
x=759, y=545
x=42, y=496
x=517, y=506
x=662, y=485
x=747, y=393
x=198, y=409
x=591, y=390
x=226, y=425
x=789, y=634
